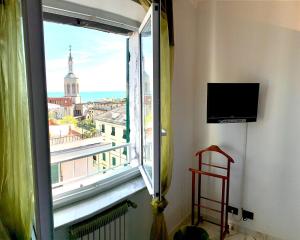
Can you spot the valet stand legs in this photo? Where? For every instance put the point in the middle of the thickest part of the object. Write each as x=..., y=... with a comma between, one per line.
x=222, y=233
x=193, y=199
x=227, y=198
x=224, y=229
x=199, y=219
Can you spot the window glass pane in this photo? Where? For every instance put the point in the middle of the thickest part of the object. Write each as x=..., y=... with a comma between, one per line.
x=125, y=151
x=113, y=131
x=87, y=95
x=54, y=173
x=147, y=96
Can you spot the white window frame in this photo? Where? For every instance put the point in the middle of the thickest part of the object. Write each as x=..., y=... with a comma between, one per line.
x=35, y=64
x=153, y=184
x=36, y=82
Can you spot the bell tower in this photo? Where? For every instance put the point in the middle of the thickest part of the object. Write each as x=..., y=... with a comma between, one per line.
x=71, y=82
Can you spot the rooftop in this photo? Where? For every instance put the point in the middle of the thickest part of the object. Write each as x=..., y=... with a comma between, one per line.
x=117, y=116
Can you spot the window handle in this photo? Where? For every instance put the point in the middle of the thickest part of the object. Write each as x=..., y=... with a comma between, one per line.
x=163, y=132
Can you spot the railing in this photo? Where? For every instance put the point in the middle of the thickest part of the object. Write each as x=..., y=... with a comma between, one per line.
x=68, y=139
x=86, y=164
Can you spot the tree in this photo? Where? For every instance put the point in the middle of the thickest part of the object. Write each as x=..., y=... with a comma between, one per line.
x=89, y=127
x=87, y=124
x=68, y=120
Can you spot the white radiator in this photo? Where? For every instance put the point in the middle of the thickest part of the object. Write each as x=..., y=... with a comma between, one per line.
x=109, y=225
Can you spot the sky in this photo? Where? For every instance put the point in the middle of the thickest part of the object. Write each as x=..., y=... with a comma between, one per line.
x=99, y=58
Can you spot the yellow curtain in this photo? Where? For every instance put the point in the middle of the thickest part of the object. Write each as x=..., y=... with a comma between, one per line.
x=16, y=187
x=159, y=229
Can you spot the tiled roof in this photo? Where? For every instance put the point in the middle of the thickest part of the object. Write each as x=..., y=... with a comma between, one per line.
x=117, y=116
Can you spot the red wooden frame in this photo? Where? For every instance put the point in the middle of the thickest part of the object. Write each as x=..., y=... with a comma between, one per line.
x=224, y=228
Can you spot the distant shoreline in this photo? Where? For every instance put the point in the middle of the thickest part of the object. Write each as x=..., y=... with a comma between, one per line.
x=93, y=96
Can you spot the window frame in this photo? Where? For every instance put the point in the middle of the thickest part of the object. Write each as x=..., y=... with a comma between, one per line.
x=62, y=16
x=153, y=184
x=153, y=13
x=35, y=64
x=36, y=83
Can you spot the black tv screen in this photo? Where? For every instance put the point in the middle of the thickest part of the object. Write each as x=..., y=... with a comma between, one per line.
x=232, y=102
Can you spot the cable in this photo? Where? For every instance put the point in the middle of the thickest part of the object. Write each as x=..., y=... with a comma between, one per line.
x=244, y=164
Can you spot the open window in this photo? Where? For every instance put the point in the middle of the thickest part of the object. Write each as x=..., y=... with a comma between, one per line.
x=97, y=144
x=139, y=149
x=150, y=99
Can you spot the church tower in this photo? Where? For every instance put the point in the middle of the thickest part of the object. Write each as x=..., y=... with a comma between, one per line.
x=71, y=83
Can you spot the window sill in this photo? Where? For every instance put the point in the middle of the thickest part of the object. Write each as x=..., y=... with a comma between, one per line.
x=87, y=208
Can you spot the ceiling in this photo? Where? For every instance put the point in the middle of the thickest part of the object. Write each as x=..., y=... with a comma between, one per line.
x=126, y=8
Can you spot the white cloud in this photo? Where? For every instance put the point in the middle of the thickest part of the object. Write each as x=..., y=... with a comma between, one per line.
x=107, y=76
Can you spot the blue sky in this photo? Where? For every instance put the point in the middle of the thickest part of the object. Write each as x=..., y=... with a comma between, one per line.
x=99, y=58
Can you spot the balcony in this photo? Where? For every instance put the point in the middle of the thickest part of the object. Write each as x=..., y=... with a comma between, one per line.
x=69, y=139
x=80, y=164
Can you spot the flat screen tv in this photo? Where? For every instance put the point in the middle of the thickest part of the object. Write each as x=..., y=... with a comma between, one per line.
x=232, y=102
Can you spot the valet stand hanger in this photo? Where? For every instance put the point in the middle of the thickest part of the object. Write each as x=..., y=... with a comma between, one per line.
x=224, y=227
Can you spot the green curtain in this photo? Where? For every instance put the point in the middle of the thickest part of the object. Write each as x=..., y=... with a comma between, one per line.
x=159, y=229
x=16, y=186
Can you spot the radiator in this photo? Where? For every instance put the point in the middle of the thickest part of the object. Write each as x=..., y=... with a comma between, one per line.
x=108, y=225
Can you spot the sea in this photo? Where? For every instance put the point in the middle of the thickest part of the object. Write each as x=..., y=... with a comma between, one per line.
x=93, y=96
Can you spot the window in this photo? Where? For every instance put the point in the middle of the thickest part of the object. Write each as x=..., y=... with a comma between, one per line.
x=113, y=161
x=113, y=131
x=150, y=82
x=125, y=151
x=76, y=140
x=54, y=173
x=84, y=113
x=73, y=89
x=83, y=21
x=95, y=162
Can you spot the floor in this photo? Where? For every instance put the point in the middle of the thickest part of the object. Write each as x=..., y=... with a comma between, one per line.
x=214, y=234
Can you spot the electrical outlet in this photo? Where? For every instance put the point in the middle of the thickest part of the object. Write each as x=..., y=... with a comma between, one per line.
x=247, y=215
x=233, y=210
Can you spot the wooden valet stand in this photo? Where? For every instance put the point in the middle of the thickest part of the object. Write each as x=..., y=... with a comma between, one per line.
x=224, y=227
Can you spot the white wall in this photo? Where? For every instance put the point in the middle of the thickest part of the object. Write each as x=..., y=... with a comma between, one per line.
x=256, y=41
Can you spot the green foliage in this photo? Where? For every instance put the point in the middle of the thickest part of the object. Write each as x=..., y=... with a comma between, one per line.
x=89, y=127
x=87, y=124
x=51, y=115
x=68, y=120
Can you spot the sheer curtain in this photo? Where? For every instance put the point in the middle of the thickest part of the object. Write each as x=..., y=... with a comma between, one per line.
x=16, y=186
x=159, y=229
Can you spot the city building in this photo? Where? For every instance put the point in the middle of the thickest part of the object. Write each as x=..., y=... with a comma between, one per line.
x=99, y=107
x=63, y=102
x=112, y=126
